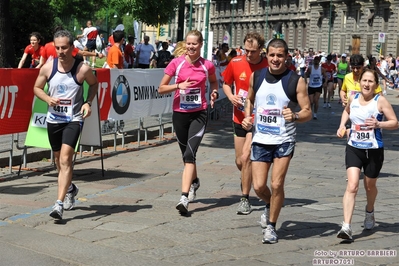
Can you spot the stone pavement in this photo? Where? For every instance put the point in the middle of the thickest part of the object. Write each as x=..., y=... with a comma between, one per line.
x=128, y=216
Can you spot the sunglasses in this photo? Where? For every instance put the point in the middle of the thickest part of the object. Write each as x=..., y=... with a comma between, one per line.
x=356, y=67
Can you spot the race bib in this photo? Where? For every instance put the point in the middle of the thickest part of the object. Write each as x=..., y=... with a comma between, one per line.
x=190, y=98
x=243, y=94
x=316, y=82
x=62, y=112
x=362, y=137
x=269, y=121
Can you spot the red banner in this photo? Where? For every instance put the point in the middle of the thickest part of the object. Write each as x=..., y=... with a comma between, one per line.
x=104, y=92
x=16, y=96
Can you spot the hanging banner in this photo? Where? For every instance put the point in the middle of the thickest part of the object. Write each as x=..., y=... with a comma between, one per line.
x=16, y=94
x=135, y=94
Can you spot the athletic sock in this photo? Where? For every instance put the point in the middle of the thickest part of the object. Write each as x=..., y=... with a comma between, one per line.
x=184, y=194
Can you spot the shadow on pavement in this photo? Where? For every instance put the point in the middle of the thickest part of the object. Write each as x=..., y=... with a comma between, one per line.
x=102, y=210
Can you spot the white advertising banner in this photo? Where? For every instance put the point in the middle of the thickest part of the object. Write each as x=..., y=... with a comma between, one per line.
x=134, y=94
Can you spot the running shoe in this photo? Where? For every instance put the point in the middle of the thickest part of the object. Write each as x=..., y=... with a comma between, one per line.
x=328, y=105
x=324, y=105
x=345, y=232
x=264, y=218
x=182, y=206
x=69, y=201
x=369, y=221
x=57, y=211
x=192, y=194
x=269, y=235
x=315, y=116
x=244, y=207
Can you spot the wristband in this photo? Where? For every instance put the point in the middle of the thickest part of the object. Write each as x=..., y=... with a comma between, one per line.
x=177, y=85
x=217, y=94
x=88, y=102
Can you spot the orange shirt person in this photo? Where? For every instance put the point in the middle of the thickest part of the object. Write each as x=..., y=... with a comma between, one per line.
x=115, y=57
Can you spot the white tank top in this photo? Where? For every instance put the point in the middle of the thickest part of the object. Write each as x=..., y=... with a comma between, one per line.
x=315, y=78
x=270, y=126
x=70, y=92
x=361, y=136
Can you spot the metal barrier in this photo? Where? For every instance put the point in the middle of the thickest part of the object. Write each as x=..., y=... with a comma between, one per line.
x=110, y=127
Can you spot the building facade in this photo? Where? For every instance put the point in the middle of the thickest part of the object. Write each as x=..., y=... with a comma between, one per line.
x=351, y=26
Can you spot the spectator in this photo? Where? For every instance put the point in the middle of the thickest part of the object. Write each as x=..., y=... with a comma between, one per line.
x=163, y=56
x=34, y=50
x=114, y=57
x=90, y=34
x=129, y=52
x=144, y=51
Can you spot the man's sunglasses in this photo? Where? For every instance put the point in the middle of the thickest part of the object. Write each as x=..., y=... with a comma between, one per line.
x=356, y=67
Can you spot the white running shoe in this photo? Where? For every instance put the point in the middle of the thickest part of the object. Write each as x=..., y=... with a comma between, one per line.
x=345, y=232
x=369, y=221
x=269, y=235
x=182, y=206
x=57, y=211
x=192, y=194
x=69, y=201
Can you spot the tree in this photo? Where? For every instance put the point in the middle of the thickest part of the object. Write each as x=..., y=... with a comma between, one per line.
x=7, y=53
x=24, y=22
x=151, y=12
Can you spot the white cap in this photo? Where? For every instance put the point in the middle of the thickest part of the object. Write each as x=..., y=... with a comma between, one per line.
x=343, y=55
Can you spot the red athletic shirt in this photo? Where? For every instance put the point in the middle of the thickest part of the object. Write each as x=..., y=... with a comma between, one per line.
x=330, y=68
x=49, y=51
x=239, y=71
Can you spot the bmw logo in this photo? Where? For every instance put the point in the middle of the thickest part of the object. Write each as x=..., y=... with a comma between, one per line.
x=121, y=95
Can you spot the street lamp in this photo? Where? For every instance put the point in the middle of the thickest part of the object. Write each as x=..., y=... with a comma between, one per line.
x=266, y=19
x=329, y=28
x=190, y=24
x=201, y=19
x=206, y=29
x=233, y=2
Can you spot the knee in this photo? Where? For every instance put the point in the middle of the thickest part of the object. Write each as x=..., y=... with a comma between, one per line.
x=245, y=159
x=259, y=188
x=277, y=186
x=370, y=187
x=352, y=188
x=239, y=162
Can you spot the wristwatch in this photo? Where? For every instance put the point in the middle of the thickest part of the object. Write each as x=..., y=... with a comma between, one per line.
x=89, y=103
x=296, y=117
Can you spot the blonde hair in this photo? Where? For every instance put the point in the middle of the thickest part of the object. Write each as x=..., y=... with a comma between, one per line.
x=180, y=49
x=196, y=33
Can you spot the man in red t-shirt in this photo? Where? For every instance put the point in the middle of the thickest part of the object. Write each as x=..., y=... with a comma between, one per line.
x=328, y=86
x=238, y=72
x=129, y=52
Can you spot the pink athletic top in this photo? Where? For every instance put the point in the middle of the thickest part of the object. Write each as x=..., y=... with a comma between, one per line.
x=191, y=99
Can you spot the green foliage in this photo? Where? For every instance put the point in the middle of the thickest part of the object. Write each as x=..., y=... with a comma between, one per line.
x=24, y=22
x=154, y=12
